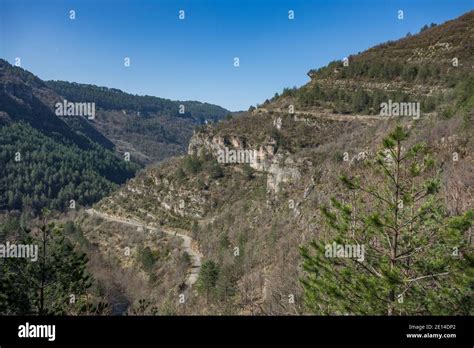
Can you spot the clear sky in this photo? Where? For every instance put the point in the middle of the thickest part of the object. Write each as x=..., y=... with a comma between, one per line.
x=193, y=59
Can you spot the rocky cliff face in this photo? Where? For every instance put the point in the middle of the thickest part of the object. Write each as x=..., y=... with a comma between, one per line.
x=280, y=167
x=164, y=195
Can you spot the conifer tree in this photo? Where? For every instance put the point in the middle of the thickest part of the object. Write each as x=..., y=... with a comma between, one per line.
x=417, y=259
x=56, y=283
x=208, y=278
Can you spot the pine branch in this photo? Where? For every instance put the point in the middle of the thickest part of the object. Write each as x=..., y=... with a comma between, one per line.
x=376, y=195
x=371, y=271
x=388, y=172
x=427, y=276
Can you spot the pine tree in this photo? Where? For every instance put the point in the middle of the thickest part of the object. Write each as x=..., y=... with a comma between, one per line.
x=208, y=278
x=226, y=284
x=59, y=279
x=56, y=283
x=417, y=259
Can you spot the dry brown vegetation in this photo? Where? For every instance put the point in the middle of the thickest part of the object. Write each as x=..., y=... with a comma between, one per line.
x=116, y=254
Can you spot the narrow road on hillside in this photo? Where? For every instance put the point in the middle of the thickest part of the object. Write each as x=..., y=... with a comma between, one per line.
x=329, y=116
x=189, y=245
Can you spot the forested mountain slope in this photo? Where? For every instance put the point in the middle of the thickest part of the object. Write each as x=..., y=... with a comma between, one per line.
x=58, y=161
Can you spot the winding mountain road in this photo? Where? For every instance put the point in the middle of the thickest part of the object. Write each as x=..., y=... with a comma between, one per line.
x=189, y=244
x=323, y=115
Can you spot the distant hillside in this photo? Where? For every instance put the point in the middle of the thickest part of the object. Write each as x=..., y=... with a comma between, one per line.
x=150, y=128
x=23, y=97
x=115, y=99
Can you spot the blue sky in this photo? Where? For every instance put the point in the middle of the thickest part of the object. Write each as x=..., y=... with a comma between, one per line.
x=192, y=59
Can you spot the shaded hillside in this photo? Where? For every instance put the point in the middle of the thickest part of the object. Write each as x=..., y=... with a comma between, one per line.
x=47, y=161
x=22, y=98
x=40, y=171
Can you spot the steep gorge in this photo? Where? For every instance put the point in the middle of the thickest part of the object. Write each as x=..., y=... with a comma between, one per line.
x=251, y=219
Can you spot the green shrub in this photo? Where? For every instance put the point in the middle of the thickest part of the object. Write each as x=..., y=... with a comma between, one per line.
x=248, y=172
x=192, y=164
x=215, y=170
x=147, y=258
